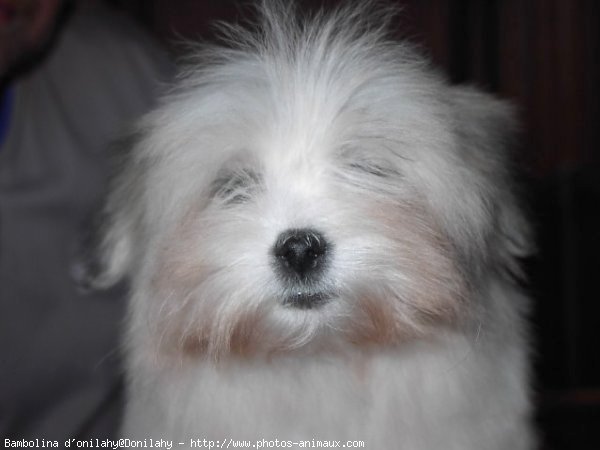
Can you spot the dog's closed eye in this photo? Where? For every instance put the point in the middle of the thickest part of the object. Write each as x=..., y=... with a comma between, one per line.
x=235, y=186
x=380, y=170
x=360, y=162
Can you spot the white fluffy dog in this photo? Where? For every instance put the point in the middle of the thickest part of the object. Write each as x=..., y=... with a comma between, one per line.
x=322, y=238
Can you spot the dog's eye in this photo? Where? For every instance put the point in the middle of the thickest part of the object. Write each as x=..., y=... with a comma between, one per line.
x=378, y=170
x=234, y=187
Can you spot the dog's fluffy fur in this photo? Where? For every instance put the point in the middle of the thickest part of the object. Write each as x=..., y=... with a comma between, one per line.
x=411, y=335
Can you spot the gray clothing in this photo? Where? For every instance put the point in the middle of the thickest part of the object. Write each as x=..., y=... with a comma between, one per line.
x=59, y=364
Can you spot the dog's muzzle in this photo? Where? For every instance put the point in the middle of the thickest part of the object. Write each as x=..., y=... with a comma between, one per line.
x=300, y=259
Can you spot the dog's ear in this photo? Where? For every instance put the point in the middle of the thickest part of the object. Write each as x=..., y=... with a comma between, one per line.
x=487, y=131
x=105, y=249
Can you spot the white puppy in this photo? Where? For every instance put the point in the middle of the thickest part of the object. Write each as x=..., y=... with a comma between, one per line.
x=321, y=238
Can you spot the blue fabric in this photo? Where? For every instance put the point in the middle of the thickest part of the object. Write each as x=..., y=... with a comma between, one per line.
x=5, y=109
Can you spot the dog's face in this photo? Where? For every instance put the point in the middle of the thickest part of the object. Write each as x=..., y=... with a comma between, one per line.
x=312, y=202
x=289, y=241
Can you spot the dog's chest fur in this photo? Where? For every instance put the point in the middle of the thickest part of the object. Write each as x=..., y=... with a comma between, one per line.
x=424, y=396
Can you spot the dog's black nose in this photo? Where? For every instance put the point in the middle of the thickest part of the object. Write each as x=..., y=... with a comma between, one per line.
x=301, y=253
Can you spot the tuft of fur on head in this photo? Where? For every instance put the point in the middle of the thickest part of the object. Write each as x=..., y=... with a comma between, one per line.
x=326, y=124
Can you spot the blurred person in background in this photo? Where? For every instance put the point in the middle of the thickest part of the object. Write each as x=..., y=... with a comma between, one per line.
x=73, y=76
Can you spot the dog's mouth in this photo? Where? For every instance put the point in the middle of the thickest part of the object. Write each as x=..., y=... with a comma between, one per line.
x=307, y=300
